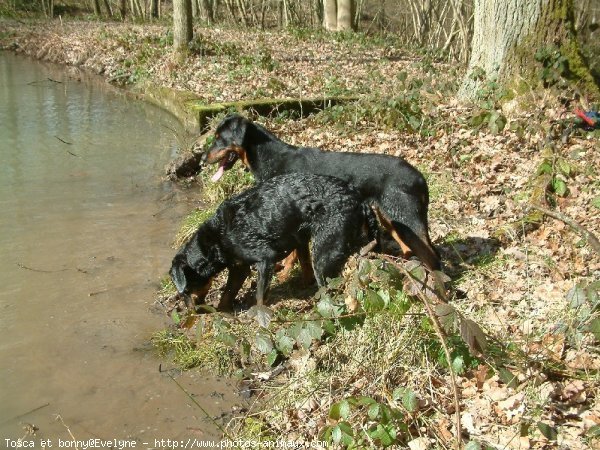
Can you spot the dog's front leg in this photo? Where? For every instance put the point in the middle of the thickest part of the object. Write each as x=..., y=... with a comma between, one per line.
x=235, y=279
x=265, y=272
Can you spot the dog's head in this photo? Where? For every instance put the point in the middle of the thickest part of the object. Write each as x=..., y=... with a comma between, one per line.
x=195, y=265
x=228, y=144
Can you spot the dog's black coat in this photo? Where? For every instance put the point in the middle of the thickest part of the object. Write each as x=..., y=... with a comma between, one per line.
x=397, y=190
x=265, y=223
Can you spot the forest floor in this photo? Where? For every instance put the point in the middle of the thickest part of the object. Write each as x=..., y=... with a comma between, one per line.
x=532, y=285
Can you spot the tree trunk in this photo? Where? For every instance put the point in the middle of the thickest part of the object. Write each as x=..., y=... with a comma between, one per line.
x=182, y=24
x=510, y=38
x=344, y=14
x=97, y=11
x=108, y=8
x=154, y=10
x=330, y=15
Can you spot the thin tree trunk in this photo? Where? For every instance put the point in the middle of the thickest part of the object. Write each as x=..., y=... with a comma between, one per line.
x=182, y=24
x=123, y=8
x=97, y=11
x=154, y=9
x=108, y=8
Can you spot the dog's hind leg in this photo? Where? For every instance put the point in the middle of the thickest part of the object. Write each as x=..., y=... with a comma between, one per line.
x=265, y=272
x=235, y=279
x=308, y=274
x=288, y=265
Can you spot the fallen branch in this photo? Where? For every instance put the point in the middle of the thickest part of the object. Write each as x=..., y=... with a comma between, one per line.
x=442, y=338
x=23, y=266
x=63, y=141
x=583, y=232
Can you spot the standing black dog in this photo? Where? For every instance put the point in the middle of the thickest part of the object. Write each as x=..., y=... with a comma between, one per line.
x=396, y=189
x=264, y=224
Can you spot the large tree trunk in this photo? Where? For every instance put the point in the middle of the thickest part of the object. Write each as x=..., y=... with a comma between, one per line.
x=507, y=35
x=345, y=16
x=330, y=15
x=182, y=24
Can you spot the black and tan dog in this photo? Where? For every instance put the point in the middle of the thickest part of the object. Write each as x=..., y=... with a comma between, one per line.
x=396, y=189
x=264, y=224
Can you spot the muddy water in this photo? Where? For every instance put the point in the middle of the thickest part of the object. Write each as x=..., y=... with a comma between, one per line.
x=85, y=232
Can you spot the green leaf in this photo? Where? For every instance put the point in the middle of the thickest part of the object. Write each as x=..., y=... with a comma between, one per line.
x=594, y=328
x=472, y=445
x=227, y=338
x=508, y=378
x=245, y=349
x=458, y=365
x=336, y=434
x=596, y=202
x=272, y=357
x=262, y=314
x=363, y=400
x=175, y=316
x=314, y=329
x=496, y=122
x=373, y=411
x=594, y=432
x=384, y=434
x=548, y=431
x=447, y=315
x=576, y=296
x=326, y=308
x=284, y=343
x=545, y=168
x=295, y=329
x=263, y=343
x=304, y=339
x=559, y=187
x=410, y=401
x=345, y=409
x=373, y=302
x=364, y=270
x=564, y=167
x=342, y=434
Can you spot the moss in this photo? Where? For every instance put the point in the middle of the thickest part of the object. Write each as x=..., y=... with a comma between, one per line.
x=264, y=106
x=578, y=69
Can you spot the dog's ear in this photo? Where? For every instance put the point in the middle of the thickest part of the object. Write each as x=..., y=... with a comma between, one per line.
x=178, y=273
x=239, y=128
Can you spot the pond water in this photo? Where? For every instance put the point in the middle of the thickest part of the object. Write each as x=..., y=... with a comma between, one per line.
x=86, y=226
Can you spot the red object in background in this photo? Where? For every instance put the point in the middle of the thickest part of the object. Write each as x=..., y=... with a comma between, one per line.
x=587, y=118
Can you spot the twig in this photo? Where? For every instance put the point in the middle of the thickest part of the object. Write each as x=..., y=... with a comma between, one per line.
x=586, y=234
x=73, y=154
x=22, y=266
x=26, y=413
x=91, y=294
x=58, y=417
x=442, y=338
x=63, y=141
